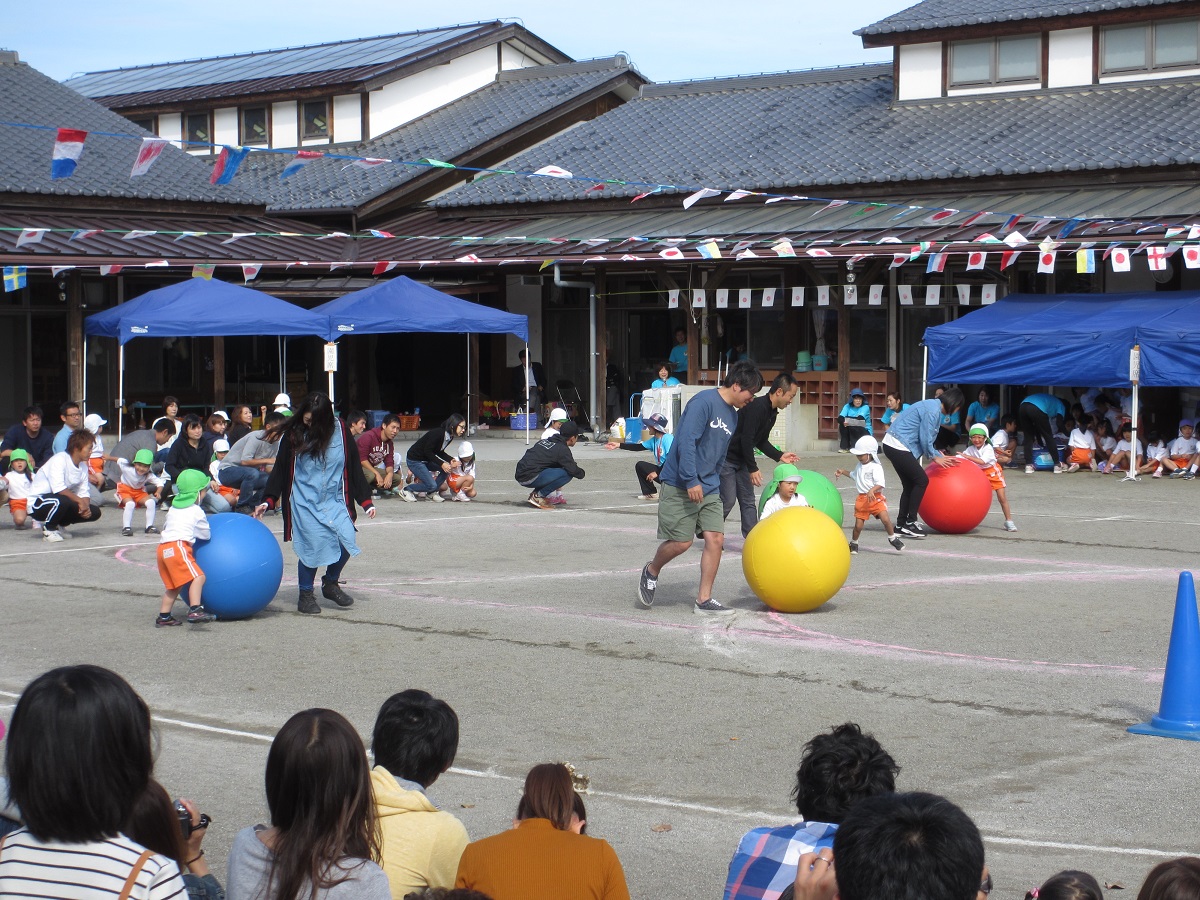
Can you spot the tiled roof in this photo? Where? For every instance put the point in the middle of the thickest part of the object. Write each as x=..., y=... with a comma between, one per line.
x=809, y=131
x=338, y=61
x=516, y=99
x=933, y=14
x=30, y=98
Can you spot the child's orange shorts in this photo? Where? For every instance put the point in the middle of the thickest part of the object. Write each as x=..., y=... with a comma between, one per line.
x=867, y=505
x=125, y=493
x=1080, y=455
x=229, y=493
x=995, y=477
x=177, y=565
x=455, y=482
x=1181, y=461
x=22, y=505
x=96, y=463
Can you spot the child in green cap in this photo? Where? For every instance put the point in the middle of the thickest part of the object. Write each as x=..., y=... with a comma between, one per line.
x=138, y=487
x=20, y=488
x=781, y=492
x=186, y=523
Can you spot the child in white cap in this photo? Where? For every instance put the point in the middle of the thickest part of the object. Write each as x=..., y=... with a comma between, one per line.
x=558, y=416
x=460, y=482
x=94, y=422
x=980, y=452
x=869, y=481
x=220, y=451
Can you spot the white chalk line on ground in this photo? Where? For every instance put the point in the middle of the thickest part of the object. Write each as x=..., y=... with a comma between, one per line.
x=668, y=803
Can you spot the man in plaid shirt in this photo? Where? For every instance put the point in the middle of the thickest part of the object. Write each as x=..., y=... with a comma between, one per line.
x=836, y=771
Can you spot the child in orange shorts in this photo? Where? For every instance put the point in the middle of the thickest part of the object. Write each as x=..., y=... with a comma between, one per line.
x=186, y=524
x=138, y=487
x=1082, y=445
x=1181, y=453
x=20, y=487
x=980, y=452
x=461, y=480
x=868, y=479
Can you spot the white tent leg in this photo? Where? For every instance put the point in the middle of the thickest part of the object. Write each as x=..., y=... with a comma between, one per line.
x=120, y=388
x=1132, y=474
x=527, y=411
x=925, y=374
x=83, y=399
x=470, y=418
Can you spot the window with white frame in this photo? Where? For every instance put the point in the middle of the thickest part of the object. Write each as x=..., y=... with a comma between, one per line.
x=1005, y=60
x=1150, y=47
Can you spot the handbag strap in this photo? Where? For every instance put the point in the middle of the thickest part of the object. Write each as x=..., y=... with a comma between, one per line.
x=133, y=874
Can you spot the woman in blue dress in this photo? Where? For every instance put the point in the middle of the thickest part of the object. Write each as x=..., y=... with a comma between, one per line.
x=317, y=479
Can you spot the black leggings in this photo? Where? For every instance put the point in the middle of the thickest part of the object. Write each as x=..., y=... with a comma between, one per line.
x=912, y=478
x=643, y=468
x=58, y=510
x=1035, y=423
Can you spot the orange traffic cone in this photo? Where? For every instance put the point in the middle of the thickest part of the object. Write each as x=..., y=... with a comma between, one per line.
x=1179, y=710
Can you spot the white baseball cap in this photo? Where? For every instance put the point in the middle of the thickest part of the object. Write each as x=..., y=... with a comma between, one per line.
x=220, y=412
x=558, y=414
x=282, y=400
x=220, y=446
x=94, y=421
x=466, y=449
x=865, y=444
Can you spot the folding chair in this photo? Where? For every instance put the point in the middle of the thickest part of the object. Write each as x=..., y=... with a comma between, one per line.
x=572, y=401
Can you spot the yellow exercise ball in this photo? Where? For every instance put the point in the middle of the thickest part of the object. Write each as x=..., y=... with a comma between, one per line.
x=796, y=560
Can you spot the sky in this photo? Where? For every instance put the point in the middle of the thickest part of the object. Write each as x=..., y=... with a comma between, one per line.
x=666, y=41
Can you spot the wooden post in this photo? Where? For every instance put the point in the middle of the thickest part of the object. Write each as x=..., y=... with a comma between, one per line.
x=600, y=407
x=473, y=382
x=75, y=360
x=218, y=385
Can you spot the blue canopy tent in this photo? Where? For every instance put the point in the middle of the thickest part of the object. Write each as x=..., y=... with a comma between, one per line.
x=200, y=308
x=403, y=305
x=1070, y=339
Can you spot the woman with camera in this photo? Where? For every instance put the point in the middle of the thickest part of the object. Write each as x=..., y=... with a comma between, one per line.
x=175, y=830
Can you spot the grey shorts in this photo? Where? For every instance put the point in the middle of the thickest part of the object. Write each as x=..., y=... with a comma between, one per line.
x=679, y=519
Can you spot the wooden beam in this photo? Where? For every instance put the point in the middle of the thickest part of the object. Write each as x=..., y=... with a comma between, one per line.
x=599, y=408
x=218, y=385
x=73, y=286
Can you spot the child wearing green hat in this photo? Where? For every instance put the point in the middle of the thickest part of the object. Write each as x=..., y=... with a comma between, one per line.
x=20, y=488
x=781, y=492
x=132, y=491
x=186, y=524
x=980, y=452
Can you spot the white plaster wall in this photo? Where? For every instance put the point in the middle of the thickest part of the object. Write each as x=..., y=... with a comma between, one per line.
x=920, y=71
x=512, y=58
x=524, y=300
x=1070, y=58
x=406, y=99
x=285, y=129
x=225, y=126
x=347, y=118
x=170, y=126
x=993, y=89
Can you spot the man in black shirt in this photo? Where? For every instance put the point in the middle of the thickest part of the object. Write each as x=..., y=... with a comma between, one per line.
x=740, y=474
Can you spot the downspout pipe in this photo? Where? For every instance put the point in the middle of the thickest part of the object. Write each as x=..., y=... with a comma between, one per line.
x=591, y=289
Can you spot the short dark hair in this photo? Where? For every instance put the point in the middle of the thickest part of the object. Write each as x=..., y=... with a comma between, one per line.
x=952, y=399
x=32, y=411
x=274, y=417
x=67, y=406
x=355, y=415
x=163, y=424
x=1071, y=885
x=79, y=440
x=838, y=769
x=783, y=382
x=745, y=374
x=391, y=419
x=415, y=736
x=1175, y=879
x=908, y=847
x=188, y=421
x=78, y=754
x=168, y=400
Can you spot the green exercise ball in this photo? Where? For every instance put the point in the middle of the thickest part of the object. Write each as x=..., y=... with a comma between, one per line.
x=821, y=494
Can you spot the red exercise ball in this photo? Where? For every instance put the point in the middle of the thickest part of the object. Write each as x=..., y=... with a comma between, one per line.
x=958, y=497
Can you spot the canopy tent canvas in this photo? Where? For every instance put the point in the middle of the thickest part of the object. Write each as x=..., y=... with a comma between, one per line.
x=403, y=305
x=1072, y=339
x=200, y=308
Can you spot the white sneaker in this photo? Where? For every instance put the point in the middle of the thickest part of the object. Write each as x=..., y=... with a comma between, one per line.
x=52, y=537
x=1157, y=473
x=1073, y=467
x=436, y=498
x=1010, y=525
x=1029, y=470
x=1058, y=469
x=408, y=496
x=460, y=496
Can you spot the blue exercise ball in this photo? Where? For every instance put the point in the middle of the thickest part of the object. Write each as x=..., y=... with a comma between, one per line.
x=243, y=566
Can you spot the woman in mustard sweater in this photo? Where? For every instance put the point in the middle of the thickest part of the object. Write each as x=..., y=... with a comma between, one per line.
x=542, y=858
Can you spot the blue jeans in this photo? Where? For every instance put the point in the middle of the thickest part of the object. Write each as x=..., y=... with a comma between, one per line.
x=249, y=482
x=426, y=481
x=549, y=480
x=307, y=575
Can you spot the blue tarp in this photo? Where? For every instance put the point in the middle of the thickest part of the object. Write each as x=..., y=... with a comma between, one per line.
x=1072, y=339
x=403, y=305
x=201, y=308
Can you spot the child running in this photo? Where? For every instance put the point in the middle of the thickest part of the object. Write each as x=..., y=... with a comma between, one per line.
x=980, y=452
x=20, y=489
x=132, y=491
x=868, y=479
x=186, y=524
x=781, y=492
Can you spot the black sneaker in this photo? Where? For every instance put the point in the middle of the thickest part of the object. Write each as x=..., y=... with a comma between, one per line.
x=126, y=532
x=646, y=587
x=150, y=529
x=895, y=541
x=854, y=546
x=308, y=603
x=330, y=590
x=198, y=614
x=910, y=531
x=711, y=607
x=166, y=621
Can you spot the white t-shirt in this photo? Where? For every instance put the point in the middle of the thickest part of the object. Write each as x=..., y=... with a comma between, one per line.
x=776, y=503
x=1156, y=451
x=986, y=453
x=96, y=870
x=553, y=431
x=1182, y=446
x=187, y=524
x=1083, y=440
x=868, y=476
x=1124, y=445
x=20, y=487
x=61, y=474
x=1000, y=440
x=131, y=478
x=1108, y=443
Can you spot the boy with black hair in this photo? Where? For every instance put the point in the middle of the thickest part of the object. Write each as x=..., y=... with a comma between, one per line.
x=414, y=742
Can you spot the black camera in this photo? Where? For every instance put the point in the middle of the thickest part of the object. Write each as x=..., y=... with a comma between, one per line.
x=185, y=820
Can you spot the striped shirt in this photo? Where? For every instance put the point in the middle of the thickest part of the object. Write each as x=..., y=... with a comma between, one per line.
x=30, y=868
